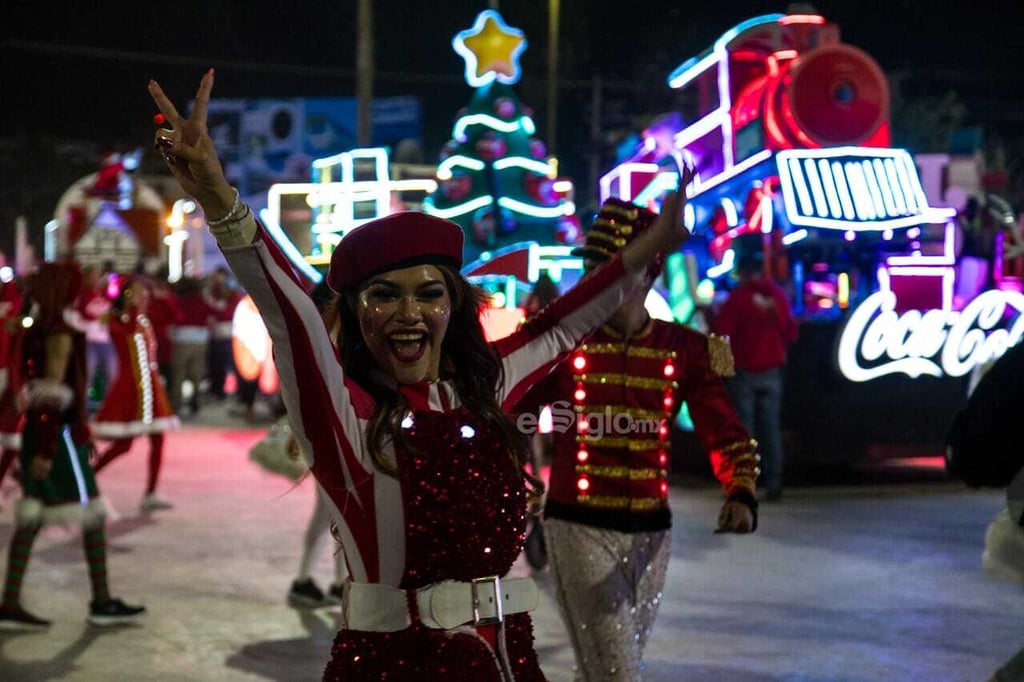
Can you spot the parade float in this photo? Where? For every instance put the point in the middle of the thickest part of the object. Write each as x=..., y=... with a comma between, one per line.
x=108, y=219
x=901, y=296
x=788, y=129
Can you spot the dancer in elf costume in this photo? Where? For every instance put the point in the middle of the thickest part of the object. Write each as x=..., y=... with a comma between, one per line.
x=607, y=520
x=136, y=403
x=57, y=482
x=12, y=388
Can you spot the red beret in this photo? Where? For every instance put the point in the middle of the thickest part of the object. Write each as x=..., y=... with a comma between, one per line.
x=397, y=241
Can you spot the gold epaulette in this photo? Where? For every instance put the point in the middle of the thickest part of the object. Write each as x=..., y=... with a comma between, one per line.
x=720, y=353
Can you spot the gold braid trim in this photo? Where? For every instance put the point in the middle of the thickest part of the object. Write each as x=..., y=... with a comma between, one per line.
x=617, y=242
x=625, y=380
x=633, y=351
x=594, y=247
x=635, y=412
x=720, y=353
x=628, y=213
x=619, y=442
x=621, y=472
x=623, y=228
x=745, y=483
x=749, y=445
x=630, y=503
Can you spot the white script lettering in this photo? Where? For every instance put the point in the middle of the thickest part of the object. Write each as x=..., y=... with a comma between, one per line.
x=934, y=343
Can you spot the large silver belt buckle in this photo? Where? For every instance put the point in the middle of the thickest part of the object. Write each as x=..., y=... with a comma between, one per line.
x=495, y=584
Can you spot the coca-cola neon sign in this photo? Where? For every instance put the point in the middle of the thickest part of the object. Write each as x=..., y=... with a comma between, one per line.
x=878, y=341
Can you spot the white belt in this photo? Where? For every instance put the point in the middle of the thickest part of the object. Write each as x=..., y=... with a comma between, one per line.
x=373, y=607
x=223, y=330
x=190, y=334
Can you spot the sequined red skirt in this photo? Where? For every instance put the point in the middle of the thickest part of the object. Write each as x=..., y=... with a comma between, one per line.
x=419, y=653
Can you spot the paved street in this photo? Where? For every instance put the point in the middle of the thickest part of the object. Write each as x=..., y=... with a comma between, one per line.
x=845, y=583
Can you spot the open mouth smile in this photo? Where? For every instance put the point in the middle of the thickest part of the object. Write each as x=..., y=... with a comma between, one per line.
x=408, y=347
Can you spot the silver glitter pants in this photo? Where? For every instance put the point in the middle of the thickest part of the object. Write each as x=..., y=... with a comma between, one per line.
x=609, y=588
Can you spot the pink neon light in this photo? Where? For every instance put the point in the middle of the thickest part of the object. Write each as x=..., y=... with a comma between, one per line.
x=785, y=54
x=802, y=19
x=771, y=124
x=725, y=100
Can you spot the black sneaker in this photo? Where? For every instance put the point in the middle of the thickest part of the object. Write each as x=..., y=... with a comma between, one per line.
x=113, y=612
x=17, y=618
x=336, y=595
x=305, y=593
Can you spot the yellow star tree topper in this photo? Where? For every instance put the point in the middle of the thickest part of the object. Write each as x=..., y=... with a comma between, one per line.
x=491, y=49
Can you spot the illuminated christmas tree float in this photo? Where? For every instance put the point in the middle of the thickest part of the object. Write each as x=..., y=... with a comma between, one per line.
x=495, y=179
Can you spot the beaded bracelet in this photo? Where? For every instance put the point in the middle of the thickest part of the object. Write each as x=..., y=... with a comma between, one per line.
x=233, y=214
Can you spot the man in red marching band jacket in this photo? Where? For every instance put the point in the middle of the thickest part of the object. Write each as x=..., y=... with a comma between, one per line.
x=607, y=519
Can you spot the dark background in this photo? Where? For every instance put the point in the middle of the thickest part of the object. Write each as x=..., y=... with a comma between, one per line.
x=74, y=74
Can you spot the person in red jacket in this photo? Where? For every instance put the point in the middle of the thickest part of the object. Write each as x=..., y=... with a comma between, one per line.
x=222, y=299
x=759, y=322
x=92, y=308
x=607, y=520
x=164, y=312
x=191, y=340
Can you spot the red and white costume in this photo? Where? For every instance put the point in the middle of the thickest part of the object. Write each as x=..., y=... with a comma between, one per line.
x=136, y=403
x=457, y=508
x=11, y=383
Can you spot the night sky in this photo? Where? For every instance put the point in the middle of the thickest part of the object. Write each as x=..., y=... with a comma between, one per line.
x=79, y=69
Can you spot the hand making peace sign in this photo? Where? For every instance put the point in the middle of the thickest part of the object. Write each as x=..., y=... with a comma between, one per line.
x=189, y=152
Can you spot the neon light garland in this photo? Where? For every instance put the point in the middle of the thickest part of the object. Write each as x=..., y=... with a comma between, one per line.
x=539, y=167
x=566, y=209
x=524, y=123
x=455, y=211
x=444, y=169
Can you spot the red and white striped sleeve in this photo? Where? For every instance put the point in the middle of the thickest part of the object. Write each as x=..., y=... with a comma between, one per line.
x=324, y=406
x=536, y=347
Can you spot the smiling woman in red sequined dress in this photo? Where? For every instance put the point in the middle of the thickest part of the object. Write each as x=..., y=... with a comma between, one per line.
x=402, y=419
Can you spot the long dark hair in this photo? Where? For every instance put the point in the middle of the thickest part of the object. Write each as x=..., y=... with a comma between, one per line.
x=467, y=359
x=124, y=297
